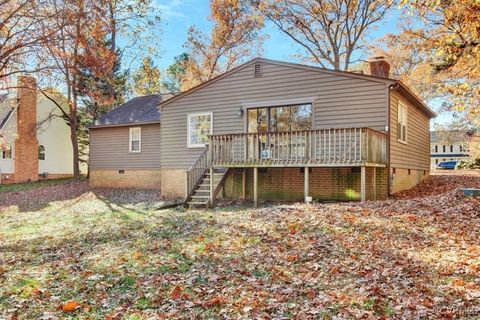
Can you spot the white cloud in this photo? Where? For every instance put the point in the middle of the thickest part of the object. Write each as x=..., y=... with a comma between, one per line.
x=172, y=9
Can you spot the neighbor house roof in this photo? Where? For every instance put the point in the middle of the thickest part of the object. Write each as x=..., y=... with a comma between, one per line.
x=450, y=136
x=140, y=110
x=7, y=108
x=396, y=84
x=5, y=119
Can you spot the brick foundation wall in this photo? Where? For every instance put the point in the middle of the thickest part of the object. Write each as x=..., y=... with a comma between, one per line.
x=174, y=182
x=137, y=179
x=7, y=178
x=53, y=176
x=403, y=179
x=324, y=184
x=26, y=145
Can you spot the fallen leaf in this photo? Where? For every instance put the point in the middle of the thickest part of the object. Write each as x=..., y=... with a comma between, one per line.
x=310, y=294
x=137, y=255
x=70, y=306
x=175, y=294
x=293, y=228
x=292, y=258
x=213, y=302
x=458, y=282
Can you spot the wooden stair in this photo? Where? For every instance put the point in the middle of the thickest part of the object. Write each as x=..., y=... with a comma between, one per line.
x=200, y=197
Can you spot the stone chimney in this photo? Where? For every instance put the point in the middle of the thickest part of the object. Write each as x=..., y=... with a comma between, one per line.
x=379, y=67
x=26, y=144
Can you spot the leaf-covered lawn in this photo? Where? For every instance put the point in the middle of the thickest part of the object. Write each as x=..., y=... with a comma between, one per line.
x=103, y=254
x=33, y=185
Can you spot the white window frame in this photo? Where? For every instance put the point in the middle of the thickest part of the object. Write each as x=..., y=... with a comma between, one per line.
x=189, y=117
x=42, y=152
x=130, y=131
x=3, y=151
x=402, y=122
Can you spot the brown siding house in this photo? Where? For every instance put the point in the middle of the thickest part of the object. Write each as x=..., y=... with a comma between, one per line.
x=125, y=146
x=274, y=130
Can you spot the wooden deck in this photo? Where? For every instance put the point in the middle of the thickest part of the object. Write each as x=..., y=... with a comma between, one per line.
x=312, y=148
x=346, y=147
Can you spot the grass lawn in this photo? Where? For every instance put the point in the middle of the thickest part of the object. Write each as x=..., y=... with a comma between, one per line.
x=67, y=251
x=18, y=187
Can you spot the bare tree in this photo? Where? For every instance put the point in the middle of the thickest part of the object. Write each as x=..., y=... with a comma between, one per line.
x=63, y=53
x=234, y=38
x=329, y=31
x=21, y=36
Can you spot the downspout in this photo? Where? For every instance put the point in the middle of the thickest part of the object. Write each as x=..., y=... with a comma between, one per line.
x=389, y=89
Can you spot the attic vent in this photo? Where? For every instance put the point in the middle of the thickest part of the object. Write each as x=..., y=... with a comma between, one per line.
x=258, y=70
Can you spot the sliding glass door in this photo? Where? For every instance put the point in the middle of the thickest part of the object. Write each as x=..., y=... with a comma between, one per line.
x=271, y=124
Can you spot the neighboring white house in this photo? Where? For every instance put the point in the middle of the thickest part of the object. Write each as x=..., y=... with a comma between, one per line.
x=447, y=146
x=34, y=138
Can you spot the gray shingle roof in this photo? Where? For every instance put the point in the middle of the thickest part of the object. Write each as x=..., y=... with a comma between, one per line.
x=137, y=110
x=450, y=137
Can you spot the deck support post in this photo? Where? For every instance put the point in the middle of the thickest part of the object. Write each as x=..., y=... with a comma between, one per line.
x=244, y=184
x=363, y=184
x=211, y=186
x=306, y=182
x=374, y=183
x=255, y=187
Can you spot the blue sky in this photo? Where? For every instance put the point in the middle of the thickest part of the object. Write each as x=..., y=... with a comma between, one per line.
x=179, y=15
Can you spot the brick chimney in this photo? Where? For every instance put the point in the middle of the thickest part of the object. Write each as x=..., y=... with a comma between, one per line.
x=26, y=144
x=379, y=67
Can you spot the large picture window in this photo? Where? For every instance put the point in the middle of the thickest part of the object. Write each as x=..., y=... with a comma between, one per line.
x=280, y=119
x=402, y=122
x=200, y=126
x=135, y=139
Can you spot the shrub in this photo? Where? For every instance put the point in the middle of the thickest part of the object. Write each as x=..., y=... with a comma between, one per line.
x=468, y=165
x=461, y=164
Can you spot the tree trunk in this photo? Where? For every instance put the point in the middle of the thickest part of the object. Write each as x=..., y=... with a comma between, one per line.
x=73, y=137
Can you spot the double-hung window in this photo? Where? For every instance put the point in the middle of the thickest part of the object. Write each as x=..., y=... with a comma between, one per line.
x=135, y=142
x=41, y=152
x=402, y=122
x=200, y=126
x=7, y=152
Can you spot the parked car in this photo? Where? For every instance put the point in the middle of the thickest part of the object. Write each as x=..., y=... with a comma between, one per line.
x=447, y=165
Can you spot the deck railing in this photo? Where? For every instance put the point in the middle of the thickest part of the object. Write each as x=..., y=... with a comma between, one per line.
x=197, y=171
x=348, y=146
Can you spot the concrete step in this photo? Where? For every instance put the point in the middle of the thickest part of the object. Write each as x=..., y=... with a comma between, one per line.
x=197, y=203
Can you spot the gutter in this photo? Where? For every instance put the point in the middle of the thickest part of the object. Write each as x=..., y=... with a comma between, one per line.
x=399, y=85
x=122, y=124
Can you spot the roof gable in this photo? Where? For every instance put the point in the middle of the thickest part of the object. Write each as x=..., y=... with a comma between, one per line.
x=395, y=84
x=281, y=63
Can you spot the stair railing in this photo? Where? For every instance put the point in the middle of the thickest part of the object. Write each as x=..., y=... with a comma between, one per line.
x=197, y=172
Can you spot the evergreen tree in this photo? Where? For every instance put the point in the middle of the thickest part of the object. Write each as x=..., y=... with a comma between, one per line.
x=100, y=92
x=175, y=73
x=146, y=79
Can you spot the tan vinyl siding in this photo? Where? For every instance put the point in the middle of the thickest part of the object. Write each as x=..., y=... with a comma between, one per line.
x=415, y=154
x=339, y=101
x=109, y=148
